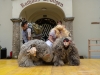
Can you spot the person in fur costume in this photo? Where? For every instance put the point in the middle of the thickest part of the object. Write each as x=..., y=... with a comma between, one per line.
x=57, y=32
x=35, y=52
x=65, y=52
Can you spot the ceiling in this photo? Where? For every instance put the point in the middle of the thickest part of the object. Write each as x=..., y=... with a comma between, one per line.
x=34, y=12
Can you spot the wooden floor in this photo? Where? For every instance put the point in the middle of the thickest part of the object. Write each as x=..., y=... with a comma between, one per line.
x=87, y=67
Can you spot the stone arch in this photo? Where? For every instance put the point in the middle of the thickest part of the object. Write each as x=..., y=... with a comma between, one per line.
x=36, y=11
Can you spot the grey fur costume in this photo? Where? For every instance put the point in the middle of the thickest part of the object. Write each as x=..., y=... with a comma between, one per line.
x=44, y=53
x=64, y=55
x=58, y=54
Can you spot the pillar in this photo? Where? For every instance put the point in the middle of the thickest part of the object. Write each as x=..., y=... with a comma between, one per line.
x=16, y=37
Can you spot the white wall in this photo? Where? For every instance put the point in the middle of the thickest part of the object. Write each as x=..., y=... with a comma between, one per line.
x=85, y=12
x=6, y=25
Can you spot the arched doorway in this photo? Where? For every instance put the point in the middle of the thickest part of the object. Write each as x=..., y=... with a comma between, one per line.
x=47, y=25
x=39, y=10
x=45, y=14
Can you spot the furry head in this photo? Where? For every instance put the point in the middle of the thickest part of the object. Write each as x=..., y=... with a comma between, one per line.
x=61, y=31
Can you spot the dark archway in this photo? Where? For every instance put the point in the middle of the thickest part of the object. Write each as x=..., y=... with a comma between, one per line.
x=47, y=25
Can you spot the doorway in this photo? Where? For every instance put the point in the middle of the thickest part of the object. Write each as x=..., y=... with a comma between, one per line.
x=47, y=25
x=44, y=14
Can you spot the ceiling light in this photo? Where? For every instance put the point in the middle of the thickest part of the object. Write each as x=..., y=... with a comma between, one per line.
x=44, y=9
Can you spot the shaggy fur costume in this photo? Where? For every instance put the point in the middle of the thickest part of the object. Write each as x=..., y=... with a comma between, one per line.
x=43, y=53
x=64, y=54
x=60, y=31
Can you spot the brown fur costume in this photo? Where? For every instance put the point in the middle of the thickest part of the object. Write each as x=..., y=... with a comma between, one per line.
x=64, y=55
